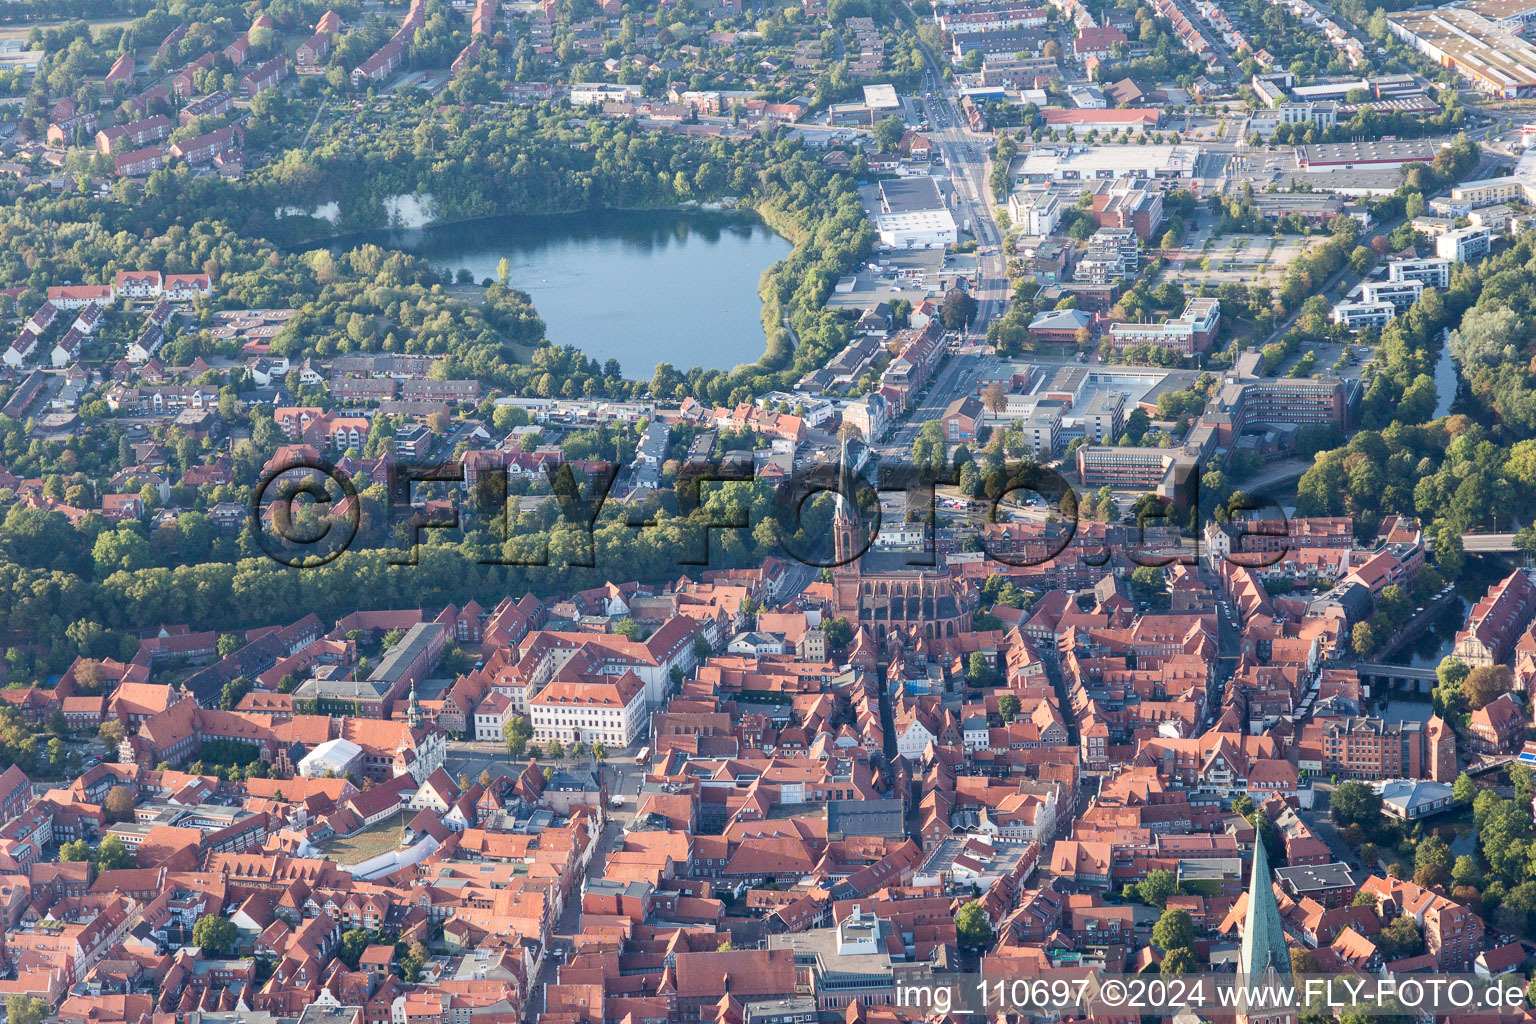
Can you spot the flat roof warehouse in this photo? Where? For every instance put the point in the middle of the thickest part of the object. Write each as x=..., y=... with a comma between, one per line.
x=910, y=195
x=1477, y=42
x=1078, y=163
x=1344, y=155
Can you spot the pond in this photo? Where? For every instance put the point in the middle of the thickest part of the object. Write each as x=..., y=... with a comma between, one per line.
x=641, y=287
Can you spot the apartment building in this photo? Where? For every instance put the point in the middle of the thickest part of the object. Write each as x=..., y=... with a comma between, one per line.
x=1034, y=213
x=1496, y=621
x=1113, y=255
x=1362, y=748
x=1433, y=271
x=1358, y=316
x=1190, y=332
x=1401, y=294
x=1464, y=244
x=1498, y=727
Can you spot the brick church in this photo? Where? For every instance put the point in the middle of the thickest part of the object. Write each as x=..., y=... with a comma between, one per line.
x=880, y=591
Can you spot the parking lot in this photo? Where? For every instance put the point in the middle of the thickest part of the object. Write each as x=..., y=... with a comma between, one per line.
x=1240, y=259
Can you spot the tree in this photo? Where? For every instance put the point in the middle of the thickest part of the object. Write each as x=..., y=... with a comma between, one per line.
x=233, y=693
x=118, y=803
x=1485, y=683
x=1008, y=707
x=25, y=1009
x=1364, y=639
x=76, y=852
x=416, y=956
x=1354, y=803
x=1136, y=425
x=508, y=416
x=486, y=778
x=1155, y=889
x=112, y=855
x=1174, y=930
x=1451, y=671
x=215, y=935
x=111, y=733
x=978, y=670
x=517, y=732
x=1450, y=556
x=957, y=309
x=353, y=942
x=973, y=927
x=1464, y=790
x=554, y=749
x=839, y=633
x=888, y=133
x=995, y=397
x=1304, y=961
x=1400, y=939
x=600, y=750
x=1178, y=960
x=1465, y=871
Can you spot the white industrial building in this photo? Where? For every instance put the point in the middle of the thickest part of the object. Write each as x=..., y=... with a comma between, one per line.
x=1088, y=163
x=913, y=215
x=881, y=97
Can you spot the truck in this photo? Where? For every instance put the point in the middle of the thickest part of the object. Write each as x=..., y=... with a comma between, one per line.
x=967, y=223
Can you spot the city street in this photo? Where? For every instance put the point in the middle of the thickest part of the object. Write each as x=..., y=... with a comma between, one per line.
x=966, y=154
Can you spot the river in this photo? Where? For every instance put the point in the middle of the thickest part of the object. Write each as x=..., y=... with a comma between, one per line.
x=1433, y=644
x=641, y=287
x=1446, y=378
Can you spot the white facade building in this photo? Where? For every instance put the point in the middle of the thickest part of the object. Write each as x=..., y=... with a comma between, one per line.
x=1464, y=244
x=491, y=718
x=588, y=712
x=914, y=215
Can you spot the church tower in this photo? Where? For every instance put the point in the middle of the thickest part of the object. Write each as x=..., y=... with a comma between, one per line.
x=1264, y=959
x=845, y=525
x=846, y=545
x=413, y=710
x=845, y=538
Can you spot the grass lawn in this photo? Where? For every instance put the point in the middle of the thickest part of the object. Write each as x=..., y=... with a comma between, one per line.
x=372, y=841
x=24, y=31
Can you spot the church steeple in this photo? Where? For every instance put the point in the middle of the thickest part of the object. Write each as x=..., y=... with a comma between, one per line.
x=1263, y=948
x=413, y=710
x=845, y=526
x=844, y=542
